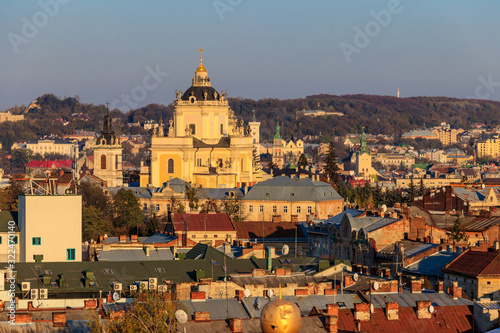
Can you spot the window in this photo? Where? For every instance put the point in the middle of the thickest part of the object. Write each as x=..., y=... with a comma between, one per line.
x=0, y=239
x=192, y=127
x=261, y=209
x=298, y=209
x=193, y=236
x=116, y=163
x=309, y=209
x=170, y=166
x=36, y=241
x=285, y=209
x=103, y=162
x=12, y=240
x=70, y=254
x=221, y=128
x=145, y=206
x=168, y=207
x=250, y=210
x=157, y=207
x=215, y=236
x=275, y=209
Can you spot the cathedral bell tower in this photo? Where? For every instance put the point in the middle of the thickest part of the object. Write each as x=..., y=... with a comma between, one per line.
x=108, y=155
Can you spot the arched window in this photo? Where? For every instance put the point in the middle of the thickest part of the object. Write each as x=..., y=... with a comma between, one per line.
x=170, y=166
x=103, y=162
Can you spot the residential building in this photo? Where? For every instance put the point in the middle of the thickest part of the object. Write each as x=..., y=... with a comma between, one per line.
x=51, y=145
x=488, y=147
x=50, y=228
x=205, y=145
x=285, y=152
x=7, y=116
x=477, y=273
x=446, y=134
x=420, y=134
x=288, y=199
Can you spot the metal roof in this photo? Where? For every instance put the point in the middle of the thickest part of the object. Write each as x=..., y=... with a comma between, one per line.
x=475, y=263
x=416, y=250
x=284, y=188
x=431, y=265
x=338, y=218
x=481, y=223
x=134, y=255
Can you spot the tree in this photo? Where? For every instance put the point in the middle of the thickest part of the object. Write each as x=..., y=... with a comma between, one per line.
x=455, y=233
x=302, y=161
x=271, y=165
x=193, y=197
x=234, y=209
x=94, y=224
x=93, y=196
x=17, y=187
x=127, y=211
x=421, y=188
x=412, y=191
x=149, y=312
x=332, y=169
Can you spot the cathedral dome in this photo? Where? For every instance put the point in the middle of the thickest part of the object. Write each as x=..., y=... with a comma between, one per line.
x=199, y=93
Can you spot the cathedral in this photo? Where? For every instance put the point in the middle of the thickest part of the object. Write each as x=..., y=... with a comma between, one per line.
x=204, y=143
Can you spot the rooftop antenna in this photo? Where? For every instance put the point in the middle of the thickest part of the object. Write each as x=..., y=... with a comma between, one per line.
x=398, y=92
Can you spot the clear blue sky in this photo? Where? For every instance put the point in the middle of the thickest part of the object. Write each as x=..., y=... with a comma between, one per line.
x=101, y=50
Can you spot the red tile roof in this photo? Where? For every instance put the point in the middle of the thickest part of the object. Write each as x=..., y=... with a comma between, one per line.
x=50, y=164
x=202, y=222
x=444, y=319
x=248, y=230
x=475, y=263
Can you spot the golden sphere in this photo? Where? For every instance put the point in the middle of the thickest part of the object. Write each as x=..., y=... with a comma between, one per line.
x=280, y=316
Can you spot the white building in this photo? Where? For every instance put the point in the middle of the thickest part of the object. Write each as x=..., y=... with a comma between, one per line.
x=51, y=228
x=50, y=145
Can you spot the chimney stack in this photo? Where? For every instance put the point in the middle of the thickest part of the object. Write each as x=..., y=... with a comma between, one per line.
x=454, y=290
x=423, y=310
x=392, y=310
x=362, y=311
x=416, y=286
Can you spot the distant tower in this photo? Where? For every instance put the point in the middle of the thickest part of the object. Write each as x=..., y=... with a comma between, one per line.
x=398, y=92
x=255, y=132
x=278, y=147
x=363, y=158
x=108, y=155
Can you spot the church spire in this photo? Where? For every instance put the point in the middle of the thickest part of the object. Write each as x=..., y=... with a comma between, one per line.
x=277, y=135
x=201, y=68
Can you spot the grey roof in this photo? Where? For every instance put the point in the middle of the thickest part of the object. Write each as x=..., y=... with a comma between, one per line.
x=338, y=218
x=220, y=193
x=378, y=222
x=159, y=239
x=134, y=255
x=431, y=265
x=416, y=250
x=284, y=188
x=217, y=308
x=112, y=240
x=423, y=132
x=176, y=184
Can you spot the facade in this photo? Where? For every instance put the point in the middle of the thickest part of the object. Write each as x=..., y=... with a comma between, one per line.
x=50, y=145
x=283, y=199
x=420, y=134
x=387, y=160
x=364, y=159
x=284, y=151
x=51, y=228
x=7, y=116
x=205, y=145
x=108, y=155
x=446, y=134
x=488, y=147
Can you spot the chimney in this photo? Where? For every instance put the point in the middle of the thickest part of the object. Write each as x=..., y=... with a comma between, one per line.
x=423, y=311
x=362, y=311
x=416, y=286
x=134, y=238
x=227, y=248
x=332, y=309
x=146, y=249
x=348, y=281
x=392, y=310
x=331, y=323
x=439, y=287
x=454, y=290
x=235, y=325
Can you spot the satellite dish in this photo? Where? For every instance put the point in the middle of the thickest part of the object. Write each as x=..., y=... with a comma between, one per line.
x=270, y=293
x=355, y=277
x=247, y=292
x=431, y=309
x=372, y=308
x=181, y=316
x=36, y=304
x=116, y=296
x=375, y=285
x=285, y=250
x=384, y=208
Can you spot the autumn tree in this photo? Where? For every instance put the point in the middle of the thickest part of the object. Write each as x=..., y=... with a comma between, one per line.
x=455, y=233
x=149, y=312
x=302, y=163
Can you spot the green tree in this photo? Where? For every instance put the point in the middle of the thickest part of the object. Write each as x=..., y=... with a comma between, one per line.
x=193, y=197
x=94, y=224
x=332, y=169
x=150, y=312
x=302, y=161
x=421, y=188
x=455, y=233
x=127, y=212
x=234, y=209
x=411, y=192
x=93, y=196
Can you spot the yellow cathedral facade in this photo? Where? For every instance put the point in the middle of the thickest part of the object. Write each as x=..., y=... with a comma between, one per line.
x=204, y=144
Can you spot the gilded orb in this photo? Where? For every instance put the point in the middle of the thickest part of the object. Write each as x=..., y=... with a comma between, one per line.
x=280, y=316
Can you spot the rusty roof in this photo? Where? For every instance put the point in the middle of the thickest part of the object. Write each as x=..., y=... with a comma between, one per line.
x=248, y=230
x=444, y=319
x=474, y=263
x=202, y=222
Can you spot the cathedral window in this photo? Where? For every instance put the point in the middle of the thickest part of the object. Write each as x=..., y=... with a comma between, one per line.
x=192, y=127
x=103, y=162
x=221, y=128
x=170, y=166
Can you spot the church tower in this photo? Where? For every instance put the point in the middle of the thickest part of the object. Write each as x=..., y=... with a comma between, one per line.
x=363, y=158
x=255, y=132
x=278, y=147
x=108, y=155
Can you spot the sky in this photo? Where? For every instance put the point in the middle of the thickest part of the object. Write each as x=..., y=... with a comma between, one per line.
x=133, y=53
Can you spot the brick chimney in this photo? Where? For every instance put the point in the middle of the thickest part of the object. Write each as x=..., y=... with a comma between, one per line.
x=392, y=310
x=331, y=323
x=348, y=281
x=454, y=290
x=235, y=325
x=332, y=309
x=439, y=287
x=416, y=286
x=362, y=311
x=423, y=310
x=123, y=238
x=201, y=316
